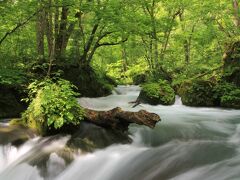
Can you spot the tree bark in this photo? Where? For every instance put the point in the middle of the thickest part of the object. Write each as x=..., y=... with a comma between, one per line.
x=40, y=27
x=236, y=13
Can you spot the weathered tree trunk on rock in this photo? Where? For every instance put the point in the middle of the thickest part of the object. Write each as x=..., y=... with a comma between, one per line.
x=119, y=119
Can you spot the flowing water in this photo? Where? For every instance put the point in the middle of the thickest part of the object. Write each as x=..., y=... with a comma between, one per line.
x=189, y=144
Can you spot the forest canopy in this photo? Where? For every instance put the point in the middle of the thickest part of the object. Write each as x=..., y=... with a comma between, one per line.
x=171, y=39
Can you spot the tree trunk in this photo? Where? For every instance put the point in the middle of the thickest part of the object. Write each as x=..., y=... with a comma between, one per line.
x=40, y=27
x=236, y=13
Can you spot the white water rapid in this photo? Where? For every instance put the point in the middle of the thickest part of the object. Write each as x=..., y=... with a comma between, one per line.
x=188, y=144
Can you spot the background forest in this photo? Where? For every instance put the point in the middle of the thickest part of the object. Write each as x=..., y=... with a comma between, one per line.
x=188, y=47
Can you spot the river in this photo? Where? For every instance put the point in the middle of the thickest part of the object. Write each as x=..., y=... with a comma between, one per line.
x=188, y=144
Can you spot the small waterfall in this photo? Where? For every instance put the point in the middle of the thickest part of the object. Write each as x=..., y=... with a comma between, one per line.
x=178, y=100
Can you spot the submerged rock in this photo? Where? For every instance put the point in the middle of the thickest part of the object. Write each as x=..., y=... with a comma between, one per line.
x=90, y=137
x=15, y=135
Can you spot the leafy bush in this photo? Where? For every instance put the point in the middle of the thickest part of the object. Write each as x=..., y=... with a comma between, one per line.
x=199, y=93
x=231, y=99
x=227, y=95
x=157, y=93
x=12, y=77
x=116, y=71
x=52, y=103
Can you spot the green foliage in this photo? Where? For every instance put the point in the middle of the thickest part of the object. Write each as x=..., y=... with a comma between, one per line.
x=157, y=93
x=12, y=77
x=52, y=103
x=227, y=95
x=231, y=99
x=199, y=93
x=117, y=72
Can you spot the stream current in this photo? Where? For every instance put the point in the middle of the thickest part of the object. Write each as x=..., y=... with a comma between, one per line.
x=188, y=144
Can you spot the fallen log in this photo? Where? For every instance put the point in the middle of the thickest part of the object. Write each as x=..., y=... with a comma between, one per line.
x=120, y=120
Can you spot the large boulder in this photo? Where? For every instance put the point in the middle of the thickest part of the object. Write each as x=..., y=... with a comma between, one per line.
x=89, y=137
x=157, y=93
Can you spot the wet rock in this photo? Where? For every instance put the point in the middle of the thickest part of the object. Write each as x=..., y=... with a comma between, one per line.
x=16, y=135
x=90, y=137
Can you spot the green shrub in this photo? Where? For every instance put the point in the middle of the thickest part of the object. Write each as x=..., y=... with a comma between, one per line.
x=199, y=93
x=52, y=104
x=221, y=89
x=227, y=95
x=157, y=93
x=12, y=77
x=139, y=79
x=231, y=99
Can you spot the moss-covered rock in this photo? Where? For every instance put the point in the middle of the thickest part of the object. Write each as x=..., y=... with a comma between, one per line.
x=157, y=93
x=198, y=93
x=89, y=84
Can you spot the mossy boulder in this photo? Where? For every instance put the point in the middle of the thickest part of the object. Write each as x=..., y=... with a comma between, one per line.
x=198, y=93
x=89, y=84
x=157, y=93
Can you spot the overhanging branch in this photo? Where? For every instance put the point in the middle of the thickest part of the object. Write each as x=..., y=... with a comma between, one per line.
x=112, y=43
x=19, y=25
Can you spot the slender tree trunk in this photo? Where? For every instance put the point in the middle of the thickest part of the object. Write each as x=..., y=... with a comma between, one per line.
x=50, y=37
x=40, y=27
x=236, y=13
x=124, y=57
x=186, y=40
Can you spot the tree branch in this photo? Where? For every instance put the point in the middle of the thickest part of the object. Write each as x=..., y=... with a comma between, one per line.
x=112, y=43
x=19, y=25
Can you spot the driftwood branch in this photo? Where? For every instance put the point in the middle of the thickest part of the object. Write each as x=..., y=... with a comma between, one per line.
x=119, y=119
